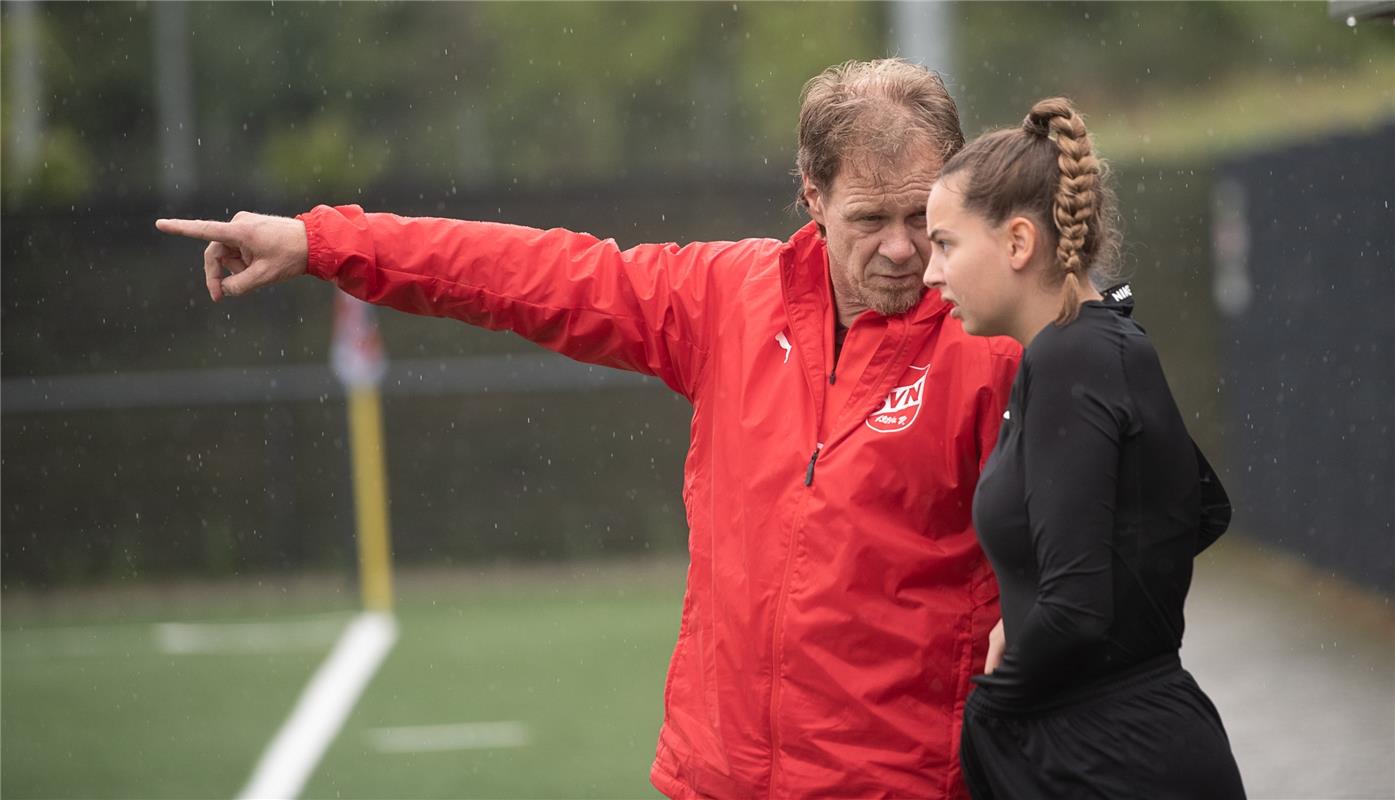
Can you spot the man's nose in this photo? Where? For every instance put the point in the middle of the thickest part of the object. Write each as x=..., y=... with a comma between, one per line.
x=897, y=246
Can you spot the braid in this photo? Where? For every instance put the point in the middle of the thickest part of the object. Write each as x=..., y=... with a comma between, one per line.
x=1076, y=206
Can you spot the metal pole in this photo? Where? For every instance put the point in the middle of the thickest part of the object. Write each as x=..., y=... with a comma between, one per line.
x=921, y=32
x=174, y=99
x=26, y=83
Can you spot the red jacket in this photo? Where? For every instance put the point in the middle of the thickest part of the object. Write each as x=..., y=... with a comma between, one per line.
x=837, y=601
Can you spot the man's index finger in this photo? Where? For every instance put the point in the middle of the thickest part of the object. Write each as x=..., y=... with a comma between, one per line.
x=208, y=230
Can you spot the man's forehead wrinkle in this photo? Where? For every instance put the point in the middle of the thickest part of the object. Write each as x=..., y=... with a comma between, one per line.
x=870, y=164
x=869, y=156
x=873, y=189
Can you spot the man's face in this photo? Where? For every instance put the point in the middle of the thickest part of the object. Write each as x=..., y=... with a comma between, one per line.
x=874, y=220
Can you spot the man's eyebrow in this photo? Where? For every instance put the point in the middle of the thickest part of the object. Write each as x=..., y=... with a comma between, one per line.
x=862, y=208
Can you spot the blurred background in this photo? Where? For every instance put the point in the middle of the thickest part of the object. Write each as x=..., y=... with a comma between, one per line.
x=178, y=519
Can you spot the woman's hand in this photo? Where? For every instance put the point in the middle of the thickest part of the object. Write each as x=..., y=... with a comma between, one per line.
x=997, y=642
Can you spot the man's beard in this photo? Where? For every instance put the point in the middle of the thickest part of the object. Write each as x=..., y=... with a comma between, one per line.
x=890, y=302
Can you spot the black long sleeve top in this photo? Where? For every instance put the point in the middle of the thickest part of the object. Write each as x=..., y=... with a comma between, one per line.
x=1091, y=508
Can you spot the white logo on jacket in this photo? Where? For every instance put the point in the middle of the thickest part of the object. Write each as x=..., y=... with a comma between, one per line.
x=901, y=407
x=784, y=342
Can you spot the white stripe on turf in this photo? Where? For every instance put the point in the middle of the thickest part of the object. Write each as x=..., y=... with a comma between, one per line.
x=460, y=736
x=176, y=638
x=62, y=642
x=231, y=638
x=323, y=706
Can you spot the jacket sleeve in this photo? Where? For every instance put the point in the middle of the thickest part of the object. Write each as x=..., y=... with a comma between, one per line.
x=640, y=309
x=1215, y=503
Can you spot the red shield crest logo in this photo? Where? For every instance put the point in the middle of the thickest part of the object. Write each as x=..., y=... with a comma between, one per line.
x=902, y=405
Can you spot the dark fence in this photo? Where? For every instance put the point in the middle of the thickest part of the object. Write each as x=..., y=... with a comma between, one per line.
x=1305, y=240
x=218, y=444
x=480, y=469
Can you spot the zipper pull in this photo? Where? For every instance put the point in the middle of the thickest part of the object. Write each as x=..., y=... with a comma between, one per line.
x=809, y=473
x=832, y=377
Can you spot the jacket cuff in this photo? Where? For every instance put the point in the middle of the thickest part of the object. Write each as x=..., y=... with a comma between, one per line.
x=321, y=260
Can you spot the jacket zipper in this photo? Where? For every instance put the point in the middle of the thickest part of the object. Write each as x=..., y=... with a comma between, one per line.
x=809, y=472
x=818, y=393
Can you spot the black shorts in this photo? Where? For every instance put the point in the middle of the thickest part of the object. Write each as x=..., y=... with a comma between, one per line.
x=1149, y=733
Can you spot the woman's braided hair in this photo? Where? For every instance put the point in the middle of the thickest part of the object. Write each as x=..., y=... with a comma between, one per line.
x=1048, y=168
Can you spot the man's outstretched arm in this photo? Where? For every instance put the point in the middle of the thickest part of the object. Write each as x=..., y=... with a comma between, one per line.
x=649, y=309
x=251, y=251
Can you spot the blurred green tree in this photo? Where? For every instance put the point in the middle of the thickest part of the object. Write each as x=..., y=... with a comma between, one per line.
x=324, y=101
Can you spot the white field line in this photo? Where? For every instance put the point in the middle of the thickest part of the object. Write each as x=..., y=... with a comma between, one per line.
x=175, y=638
x=73, y=641
x=184, y=638
x=323, y=706
x=460, y=736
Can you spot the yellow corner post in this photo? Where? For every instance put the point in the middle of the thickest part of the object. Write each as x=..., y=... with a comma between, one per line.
x=370, y=498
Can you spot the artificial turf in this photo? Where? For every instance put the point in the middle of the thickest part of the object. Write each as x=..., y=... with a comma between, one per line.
x=93, y=708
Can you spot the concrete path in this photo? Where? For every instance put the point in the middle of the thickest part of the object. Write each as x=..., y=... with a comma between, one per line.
x=1301, y=666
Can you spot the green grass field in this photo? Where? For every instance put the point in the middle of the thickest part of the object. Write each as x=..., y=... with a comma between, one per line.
x=95, y=705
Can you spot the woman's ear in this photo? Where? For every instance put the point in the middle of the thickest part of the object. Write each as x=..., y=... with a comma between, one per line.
x=1024, y=241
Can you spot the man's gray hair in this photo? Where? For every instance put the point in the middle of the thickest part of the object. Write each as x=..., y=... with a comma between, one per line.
x=872, y=109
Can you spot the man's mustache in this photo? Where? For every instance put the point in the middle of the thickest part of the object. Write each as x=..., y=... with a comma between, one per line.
x=885, y=267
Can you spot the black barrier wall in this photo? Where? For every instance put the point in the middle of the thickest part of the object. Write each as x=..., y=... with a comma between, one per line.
x=95, y=491
x=1305, y=281
x=258, y=481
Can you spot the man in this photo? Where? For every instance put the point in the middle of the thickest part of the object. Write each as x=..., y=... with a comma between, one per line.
x=837, y=602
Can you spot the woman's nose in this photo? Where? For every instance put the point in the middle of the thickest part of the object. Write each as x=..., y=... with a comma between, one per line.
x=934, y=276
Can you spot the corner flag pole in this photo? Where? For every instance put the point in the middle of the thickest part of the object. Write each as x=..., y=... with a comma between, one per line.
x=358, y=359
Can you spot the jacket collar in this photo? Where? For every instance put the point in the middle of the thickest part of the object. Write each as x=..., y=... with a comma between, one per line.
x=809, y=310
x=1118, y=298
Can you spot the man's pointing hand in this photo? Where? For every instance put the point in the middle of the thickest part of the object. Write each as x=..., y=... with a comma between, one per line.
x=253, y=250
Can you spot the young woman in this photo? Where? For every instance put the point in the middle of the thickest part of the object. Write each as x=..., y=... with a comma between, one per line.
x=1094, y=501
